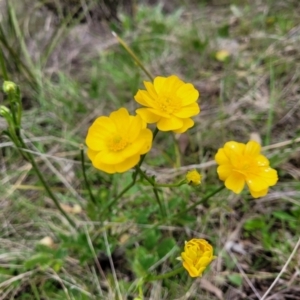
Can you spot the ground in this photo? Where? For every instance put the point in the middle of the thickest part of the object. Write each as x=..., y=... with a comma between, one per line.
x=242, y=56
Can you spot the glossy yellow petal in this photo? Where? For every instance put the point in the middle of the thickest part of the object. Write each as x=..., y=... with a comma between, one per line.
x=91, y=154
x=150, y=89
x=235, y=182
x=121, y=120
x=262, y=161
x=169, y=124
x=197, y=255
x=127, y=164
x=258, y=194
x=187, y=123
x=233, y=148
x=193, y=272
x=147, y=136
x=171, y=85
x=168, y=97
x=240, y=164
x=110, y=169
x=188, y=111
x=188, y=94
x=144, y=98
x=262, y=180
x=109, y=157
x=134, y=128
x=147, y=115
x=159, y=83
x=224, y=171
x=115, y=143
x=221, y=157
x=252, y=148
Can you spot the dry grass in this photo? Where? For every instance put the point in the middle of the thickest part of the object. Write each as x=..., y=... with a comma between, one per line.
x=85, y=75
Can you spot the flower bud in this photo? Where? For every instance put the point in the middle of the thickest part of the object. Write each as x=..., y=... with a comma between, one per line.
x=193, y=177
x=9, y=87
x=197, y=255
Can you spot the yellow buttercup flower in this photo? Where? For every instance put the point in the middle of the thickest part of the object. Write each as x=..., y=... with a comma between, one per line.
x=116, y=143
x=197, y=255
x=193, y=177
x=242, y=163
x=169, y=102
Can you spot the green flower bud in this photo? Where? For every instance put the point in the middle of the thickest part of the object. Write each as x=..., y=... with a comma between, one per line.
x=9, y=87
x=4, y=111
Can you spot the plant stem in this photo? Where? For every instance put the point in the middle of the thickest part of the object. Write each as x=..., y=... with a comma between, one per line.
x=155, y=190
x=44, y=183
x=84, y=175
x=203, y=200
x=165, y=275
x=132, y=54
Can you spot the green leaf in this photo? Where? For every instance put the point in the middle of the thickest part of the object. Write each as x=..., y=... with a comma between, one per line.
x=40, y=259
x=254, y=224
x=236, y=279
x=151, y=239
x=284, y=216
x=223, y=31
x=165, y=247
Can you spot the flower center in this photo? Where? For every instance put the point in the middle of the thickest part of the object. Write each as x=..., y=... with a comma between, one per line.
x=168, y=104
x=117, y=143
x=245, y=165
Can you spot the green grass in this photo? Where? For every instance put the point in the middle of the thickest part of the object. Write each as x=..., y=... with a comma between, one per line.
x=255, y=91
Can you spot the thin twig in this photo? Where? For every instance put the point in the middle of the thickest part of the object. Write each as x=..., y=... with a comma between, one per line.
x=282, y=271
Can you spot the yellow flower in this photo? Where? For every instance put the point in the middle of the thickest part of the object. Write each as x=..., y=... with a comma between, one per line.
x=197, y=255
x=169, y=102
x=116, y=143
x=193, y=177
x=242, y=163
x=222, y=55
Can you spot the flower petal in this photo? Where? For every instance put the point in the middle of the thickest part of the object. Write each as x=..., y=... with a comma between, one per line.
x=134, y=128
x=144, y=98
x=193, y=272
x=150, y=89
x=127, y=164
x=232, y=147
x=109, y=157
x=147, y=115
x=259, y=194
x=159, y=83
x=171, y=85
x=221, y=157
x=110, y=169
x=262, y=180
x=252, y=148
x=147, y=136
x=172, y=123
x=188, y=111
x=187, y=123
x=224, y=171
x=235, y=182
x=121, y=120
x=188, y=94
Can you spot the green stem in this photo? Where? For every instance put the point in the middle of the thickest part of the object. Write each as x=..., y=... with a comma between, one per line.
x=87, y=185
x=129, y=186
x=45, y=184
x=155, y=190
x=132, y=54
x=134, y=177
x=3, y=67
x=165, y=275
x=201, y=201
x=169, y=185
x=175, y=216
